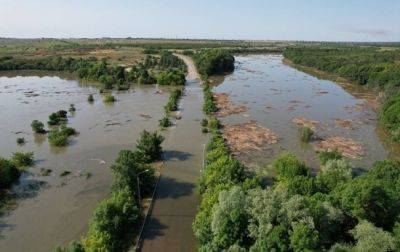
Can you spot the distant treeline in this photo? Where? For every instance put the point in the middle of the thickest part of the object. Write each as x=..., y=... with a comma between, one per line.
x=167, y=69
x=374, y=66
x=215, y=61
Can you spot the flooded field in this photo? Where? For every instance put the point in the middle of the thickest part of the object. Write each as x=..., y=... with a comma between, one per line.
x=55, y=209
x=265, y=102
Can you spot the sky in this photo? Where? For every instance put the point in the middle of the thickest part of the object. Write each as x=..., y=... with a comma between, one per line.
x=316, y=20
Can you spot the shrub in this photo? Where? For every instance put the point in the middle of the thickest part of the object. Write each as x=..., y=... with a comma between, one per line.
x=54, y=119
x=172, y=78
x=172, y=104
x=165, y=122
x=287, y=166
x=58, y=138
x=71, y=247
x=22, y=159
x=204, y=122
x=325, y=156
x=214, y=61
x=72, y=108
x=38, y=127
x=306, y=134
x=108, y=98
x=149, y=144
x=8, y=173
x=20, y=141
x=67, y=130
x=90, y=98
x=112, y=222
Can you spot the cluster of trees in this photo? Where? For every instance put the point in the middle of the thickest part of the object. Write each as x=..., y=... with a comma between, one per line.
x=114, y=220
x=172, y=78
x=214, y=61
x=372, y=66
x=333, y=210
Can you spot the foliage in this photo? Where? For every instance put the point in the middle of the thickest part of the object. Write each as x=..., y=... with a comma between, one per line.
x=287, y=166
x=111, y=223
x=38, y=127
x=172, y=78
x=58, y=138
x=54, y=118
x=325, y=156
x=172, y=104
x=165, y=122
x=22, y=159
x=214, y=61
x=71, y=247
x=90, y=98
x=21, y=141
x=170, y=61
x=109, y=98
x=209, y=106
x=371, y=238
x=306, y=134
x=149, y=144
x=8, y=173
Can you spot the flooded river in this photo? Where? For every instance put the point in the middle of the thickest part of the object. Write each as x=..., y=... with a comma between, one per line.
x=53, y=209
x=275, y=94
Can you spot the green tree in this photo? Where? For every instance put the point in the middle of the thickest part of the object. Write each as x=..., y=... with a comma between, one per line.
x=149, y=144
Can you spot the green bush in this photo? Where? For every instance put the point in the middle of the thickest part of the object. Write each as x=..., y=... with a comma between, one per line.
x=72, y=108
x=287, y=166
x=8, y=173
x=172, y=78
x=108, y=98
x=20, y=141
x=68, y=131
x=172, y=104
x=214, y=61
x=306, y=134
x=22, y=159
x=325, y=156
x=58, y=138
x=90, y=98
x=149, y=144
x=112, y=222
x=38, y=127
x=165, y=122
x=54, y=119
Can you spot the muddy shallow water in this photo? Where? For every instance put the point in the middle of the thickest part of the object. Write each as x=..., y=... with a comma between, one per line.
x=275, y=94
x=55, y=210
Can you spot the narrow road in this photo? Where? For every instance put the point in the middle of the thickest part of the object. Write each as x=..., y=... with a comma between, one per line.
x=169, y=227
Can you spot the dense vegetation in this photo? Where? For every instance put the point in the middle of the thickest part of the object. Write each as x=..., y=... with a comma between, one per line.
x=376, y=67
x=172, y=78
x=332, y=210
x=114, y=221
x=172, y=104
x=215, y=61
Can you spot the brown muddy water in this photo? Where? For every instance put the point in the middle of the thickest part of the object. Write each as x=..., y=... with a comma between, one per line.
x=54, y=210
x=275, y=93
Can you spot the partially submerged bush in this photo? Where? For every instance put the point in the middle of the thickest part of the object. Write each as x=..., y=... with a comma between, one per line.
x=149, y=144
x=38, y=127
x=8, y=173
x=108, y=98
x=20, y=141
x=90, y=98
x=172, y=104
x=165, y=122
x=306, y=133
x=72, y=108
x=58, y=138
x=22, y=159
x=56, y=117
x=172, y=78
x=69, y=131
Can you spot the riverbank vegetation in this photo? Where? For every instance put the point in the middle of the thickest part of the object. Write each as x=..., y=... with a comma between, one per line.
x=115, y=220
x=173, y=100
x=216, y=61
x=373, y=66
x=334, y=209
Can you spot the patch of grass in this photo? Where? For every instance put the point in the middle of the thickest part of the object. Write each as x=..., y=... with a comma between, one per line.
x=306, y=134
x=72, y=108
x=325, y=156
x=204, y=122
x=69, y=131
x=22, y=159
